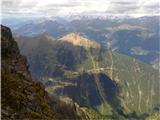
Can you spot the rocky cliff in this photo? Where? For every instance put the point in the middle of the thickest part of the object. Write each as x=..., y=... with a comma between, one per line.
x=11, y=57
x=21, y=97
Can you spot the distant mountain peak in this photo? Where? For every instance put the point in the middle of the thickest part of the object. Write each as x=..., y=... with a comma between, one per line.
x=78, y=40
x=130, y=27
x=45, y=36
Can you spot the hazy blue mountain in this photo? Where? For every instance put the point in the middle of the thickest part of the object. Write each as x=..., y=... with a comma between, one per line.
x=136, y=37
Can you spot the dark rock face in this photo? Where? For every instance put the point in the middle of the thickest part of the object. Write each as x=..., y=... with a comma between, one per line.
x=85, y=93
x=111, y=88
x=92, y=90
x=21, y=97
x=11, y=57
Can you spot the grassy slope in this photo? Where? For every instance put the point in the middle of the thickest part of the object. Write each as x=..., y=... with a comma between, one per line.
x=139, y=81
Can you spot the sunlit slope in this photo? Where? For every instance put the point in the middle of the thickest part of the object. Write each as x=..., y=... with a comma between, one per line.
x=78, y=40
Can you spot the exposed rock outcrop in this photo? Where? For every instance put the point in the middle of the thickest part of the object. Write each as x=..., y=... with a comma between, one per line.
x=78, y=40
x=21, y=97
x=11, y=57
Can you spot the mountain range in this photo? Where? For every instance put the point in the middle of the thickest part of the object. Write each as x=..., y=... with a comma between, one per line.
x=93, y=77
x=134, y=37
x=84, y=68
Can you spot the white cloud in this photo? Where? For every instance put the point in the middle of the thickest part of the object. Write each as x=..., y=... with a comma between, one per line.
x=18, y=8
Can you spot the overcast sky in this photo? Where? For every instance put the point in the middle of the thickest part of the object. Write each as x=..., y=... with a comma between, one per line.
x=48, y=8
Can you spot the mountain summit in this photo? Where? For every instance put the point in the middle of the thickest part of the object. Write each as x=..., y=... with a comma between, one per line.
x=78, y=40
